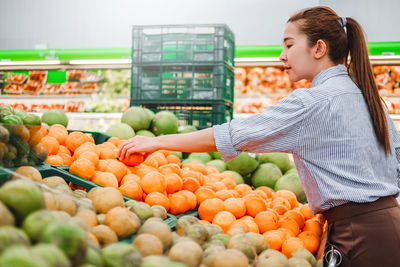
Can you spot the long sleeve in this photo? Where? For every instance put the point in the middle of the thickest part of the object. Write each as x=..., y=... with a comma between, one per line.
x=276, y=129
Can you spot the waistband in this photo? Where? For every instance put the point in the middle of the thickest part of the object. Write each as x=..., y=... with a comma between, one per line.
x=353, y=209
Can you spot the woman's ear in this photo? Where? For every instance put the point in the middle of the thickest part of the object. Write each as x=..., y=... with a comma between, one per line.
x=320, y=49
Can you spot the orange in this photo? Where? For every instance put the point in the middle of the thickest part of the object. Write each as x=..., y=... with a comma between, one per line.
x=235, y=206
x=134, y=159
x=234, y=193
x=224, y=219
x=203, y=193
x=105, y=179
x=211, y=169
x=266, y=221
x=170, y=168
x=193, y=174
x=75, y=139
x=266, y=190
x=173, y=159
x=164, y=152
x=242, y=188
x=195, y=166
x=305, y=210
x=129, y=177
x=174, y=182
x=286, y=233
x=43, y=130
x=240, y=223
x=254, y=205
x=67, y=159
x=229, y=183
x=158, y=157
x=190, y=184
x=219, y=186
x=223, y=194
x=228, y=175
x=59, y=132
x=85, y=147
x=153, y=182
x=131, y=189
x=289, y=223
x=261, y=194
x=204, y=222
x=310, y=240
x=190, y=197
x=54, y=160
x=64, y=149
x=51, y=145
x=143, y=169
x=114, y=140
x=297, y=216
x=118, y=169
x=288, y=195
x=291, y=244
x=107, y=152
x=157, y=198
x=274, y=240
x=102, y=166
x=252, y=226
x=83, y=168
x=209, y=208
x=280, y=201
x=90, y=156
x=314, y=226
x=280, y=209
x=177, y=204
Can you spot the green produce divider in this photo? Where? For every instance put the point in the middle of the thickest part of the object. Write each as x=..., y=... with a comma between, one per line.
x=375, y=49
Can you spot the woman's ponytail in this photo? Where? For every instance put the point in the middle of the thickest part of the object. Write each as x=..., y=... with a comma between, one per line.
x=360, y=68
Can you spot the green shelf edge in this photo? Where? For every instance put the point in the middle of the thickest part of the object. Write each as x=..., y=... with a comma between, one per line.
x=241, y=51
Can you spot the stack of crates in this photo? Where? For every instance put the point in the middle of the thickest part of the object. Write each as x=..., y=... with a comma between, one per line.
x=185, y=69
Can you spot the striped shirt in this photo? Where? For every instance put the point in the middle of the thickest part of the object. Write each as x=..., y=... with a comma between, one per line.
x=329, y=131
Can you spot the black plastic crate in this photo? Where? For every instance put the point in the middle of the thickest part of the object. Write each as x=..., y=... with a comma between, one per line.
x=188, y=82
x=202, y=43
x=202, y=114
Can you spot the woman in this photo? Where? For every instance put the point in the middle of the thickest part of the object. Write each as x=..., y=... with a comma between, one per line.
x=345, y=145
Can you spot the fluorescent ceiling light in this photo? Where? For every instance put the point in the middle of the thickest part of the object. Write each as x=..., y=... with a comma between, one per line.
x=100, y=61
x=257, y=59
x=24, y=63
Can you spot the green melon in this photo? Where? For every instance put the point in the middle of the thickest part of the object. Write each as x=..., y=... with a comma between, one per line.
x=121, y=130
x=137, y=118
x=267, y=174
x=164, y=122
x=55, y=116
x=243, y=164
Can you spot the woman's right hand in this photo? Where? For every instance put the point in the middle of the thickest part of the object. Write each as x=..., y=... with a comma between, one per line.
x=138, y=144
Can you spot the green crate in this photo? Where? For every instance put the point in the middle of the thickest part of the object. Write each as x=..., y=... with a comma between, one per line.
x=201, y=114
x=99, y=138
x=203, y=43
x=186, y=82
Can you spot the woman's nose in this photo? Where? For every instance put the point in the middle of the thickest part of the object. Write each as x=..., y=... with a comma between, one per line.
x=282, y=57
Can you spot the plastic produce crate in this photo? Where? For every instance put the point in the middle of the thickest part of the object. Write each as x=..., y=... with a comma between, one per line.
x=202, y=114
x=186, y=82
x=158, y=44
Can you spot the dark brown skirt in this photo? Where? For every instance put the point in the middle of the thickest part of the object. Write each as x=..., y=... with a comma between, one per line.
x=365, y=234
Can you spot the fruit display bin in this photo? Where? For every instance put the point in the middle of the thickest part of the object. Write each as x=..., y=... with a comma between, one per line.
x=201, y=114
x=186, y=82
x=19, y=145
x=47, y=170
x=202, y=43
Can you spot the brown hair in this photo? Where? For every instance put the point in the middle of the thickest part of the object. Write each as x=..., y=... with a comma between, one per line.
x=322, y=23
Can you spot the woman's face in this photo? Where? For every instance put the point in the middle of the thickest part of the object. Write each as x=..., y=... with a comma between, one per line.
x=296, y=55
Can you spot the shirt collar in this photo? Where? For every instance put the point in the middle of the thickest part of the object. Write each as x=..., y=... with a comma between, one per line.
x=326, y=74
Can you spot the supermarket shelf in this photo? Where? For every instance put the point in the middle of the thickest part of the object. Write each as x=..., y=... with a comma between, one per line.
x=90, y=115
x=126, y=63
x=50, y=99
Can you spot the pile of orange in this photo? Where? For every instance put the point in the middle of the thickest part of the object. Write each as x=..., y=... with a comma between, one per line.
x=159, y=179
